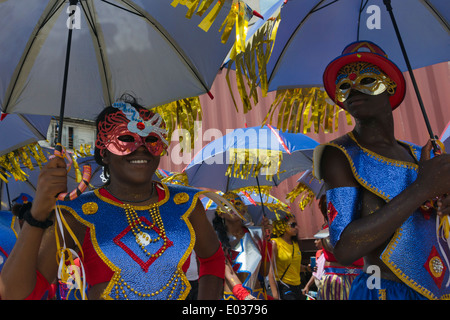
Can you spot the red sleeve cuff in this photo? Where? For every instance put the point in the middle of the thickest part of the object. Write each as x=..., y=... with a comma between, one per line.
x=40, y=288
x=214, y=265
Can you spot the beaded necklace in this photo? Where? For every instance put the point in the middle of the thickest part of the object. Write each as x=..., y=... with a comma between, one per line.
x=137, y=227
x=143, y=239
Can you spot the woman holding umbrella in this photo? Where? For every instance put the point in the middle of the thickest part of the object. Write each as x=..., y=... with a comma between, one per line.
x=133, y=235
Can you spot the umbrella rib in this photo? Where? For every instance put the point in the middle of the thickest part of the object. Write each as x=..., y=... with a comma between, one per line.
x=125, y=9
x=302, y=22
x=437, y=14
x=48, y=14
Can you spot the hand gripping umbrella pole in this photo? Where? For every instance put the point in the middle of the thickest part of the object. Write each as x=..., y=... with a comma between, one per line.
x=387, y=3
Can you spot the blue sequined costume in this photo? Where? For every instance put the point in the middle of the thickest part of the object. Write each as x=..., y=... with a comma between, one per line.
x=157, y=273
x=417, y=253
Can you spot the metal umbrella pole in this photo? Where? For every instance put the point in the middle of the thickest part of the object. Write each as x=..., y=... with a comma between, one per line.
x=66, y=74
x=388, y=5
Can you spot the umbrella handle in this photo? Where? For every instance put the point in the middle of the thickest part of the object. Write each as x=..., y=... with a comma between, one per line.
x=86, y=176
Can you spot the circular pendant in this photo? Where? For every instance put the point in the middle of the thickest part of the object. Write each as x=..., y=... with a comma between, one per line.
x=143, y=239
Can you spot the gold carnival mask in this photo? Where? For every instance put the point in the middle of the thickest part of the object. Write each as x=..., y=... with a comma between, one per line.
x=363, y=77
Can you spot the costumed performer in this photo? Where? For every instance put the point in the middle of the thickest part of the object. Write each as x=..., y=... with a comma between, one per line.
x=377, y=186
x=246, y=250
x=133, y=235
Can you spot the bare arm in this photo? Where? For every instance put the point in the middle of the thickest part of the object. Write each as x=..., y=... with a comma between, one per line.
x=35, y=248
x=209, y=287
x=379, y=220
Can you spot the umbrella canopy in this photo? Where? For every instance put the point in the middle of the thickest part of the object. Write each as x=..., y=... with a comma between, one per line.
x=144, y=47
x=250, y=157
x=314, y=32
x=17, y=131
x=311, y=33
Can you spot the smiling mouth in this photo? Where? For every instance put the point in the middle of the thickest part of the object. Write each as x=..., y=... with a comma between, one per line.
x=138, y=161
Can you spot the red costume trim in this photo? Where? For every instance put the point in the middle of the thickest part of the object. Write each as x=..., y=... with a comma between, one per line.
x=214, y=265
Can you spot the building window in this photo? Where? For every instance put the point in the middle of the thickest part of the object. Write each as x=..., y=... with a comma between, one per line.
x=70, y=138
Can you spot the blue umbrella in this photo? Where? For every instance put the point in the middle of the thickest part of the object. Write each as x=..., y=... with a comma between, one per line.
x=414, y=33
x=314, y=32
x=250, y=157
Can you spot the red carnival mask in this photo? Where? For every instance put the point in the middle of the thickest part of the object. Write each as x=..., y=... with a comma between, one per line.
x=123, y=132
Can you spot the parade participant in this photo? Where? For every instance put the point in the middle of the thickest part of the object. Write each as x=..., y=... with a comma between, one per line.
x=133, y=235
x=377, y=186
x=246, y=250
x=288, y=259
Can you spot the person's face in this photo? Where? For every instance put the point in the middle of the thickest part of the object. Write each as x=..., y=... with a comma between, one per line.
x=318, y=243
x=291, y=228
x=124, y=131
x=363, y=77
x=135, y=168
x=363, y=106
x=239, y=206
x=364, y=90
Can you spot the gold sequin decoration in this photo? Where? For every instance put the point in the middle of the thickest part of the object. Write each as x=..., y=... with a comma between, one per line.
x=180, y=198
x=89, y=208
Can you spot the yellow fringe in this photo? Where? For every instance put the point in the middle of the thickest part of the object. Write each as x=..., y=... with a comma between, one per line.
x=182, y=114
x=301, y=108
x=251, y=65
x=307, y=195
x=245, y=163
x=238, y=17
x=10, y=163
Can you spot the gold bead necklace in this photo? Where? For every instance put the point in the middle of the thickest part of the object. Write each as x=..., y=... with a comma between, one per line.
x=122, y=286
x=137, y=227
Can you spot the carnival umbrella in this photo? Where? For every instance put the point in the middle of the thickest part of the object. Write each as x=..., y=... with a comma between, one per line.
x=91, y=52
x=270, y=206
x=312, y=33
x=17, y=131
x=254, y=156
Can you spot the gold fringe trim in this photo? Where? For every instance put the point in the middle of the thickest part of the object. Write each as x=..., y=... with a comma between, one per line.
x=245, y=163
x=175, y=178
x=307, y=195
x=238, y=16
x=251, y=65
x=10, y=163
x=301, y=108
x=182, y=114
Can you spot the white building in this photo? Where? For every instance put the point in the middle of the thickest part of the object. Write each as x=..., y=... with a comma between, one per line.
x=74, y=134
